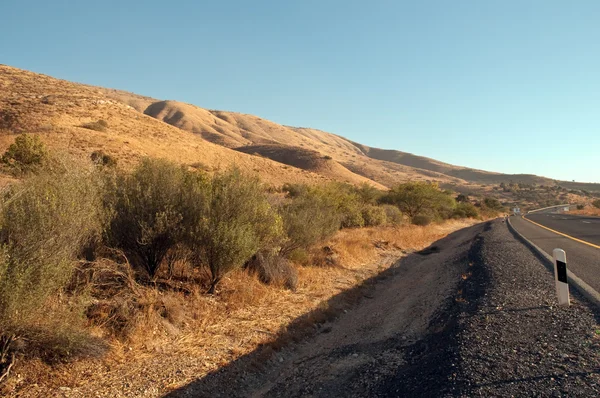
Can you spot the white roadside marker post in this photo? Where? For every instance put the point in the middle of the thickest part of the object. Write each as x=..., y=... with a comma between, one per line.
x=560, y=277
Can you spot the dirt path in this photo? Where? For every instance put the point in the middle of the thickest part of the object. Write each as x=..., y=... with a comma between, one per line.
x=361, y=351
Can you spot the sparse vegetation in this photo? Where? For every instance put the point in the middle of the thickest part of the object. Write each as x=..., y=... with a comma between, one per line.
x=596, y=203
x=45, y=223
x=27, y=154
x=101, y=158
x=100, y=125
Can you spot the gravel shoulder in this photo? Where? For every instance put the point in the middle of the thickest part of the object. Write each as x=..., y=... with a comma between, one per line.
x=513, y=340
x=475, y=315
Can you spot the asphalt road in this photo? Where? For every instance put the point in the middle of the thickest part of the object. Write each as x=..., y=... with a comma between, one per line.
x=582, y=260
x=586, y=228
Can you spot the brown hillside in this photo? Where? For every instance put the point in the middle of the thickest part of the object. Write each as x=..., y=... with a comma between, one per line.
x=307, y=159
x=56, y=109
x=143, y=126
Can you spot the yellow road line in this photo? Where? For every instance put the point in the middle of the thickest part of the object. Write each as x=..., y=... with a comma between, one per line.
x=565, y=235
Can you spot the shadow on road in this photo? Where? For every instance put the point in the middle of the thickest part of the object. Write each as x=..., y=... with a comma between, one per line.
x=235, y=376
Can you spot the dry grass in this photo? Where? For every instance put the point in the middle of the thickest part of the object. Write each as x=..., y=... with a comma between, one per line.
x=588, y=210
x=175, y=337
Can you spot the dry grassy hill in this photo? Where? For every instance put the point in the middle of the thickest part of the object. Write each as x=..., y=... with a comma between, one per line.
x=142, y=126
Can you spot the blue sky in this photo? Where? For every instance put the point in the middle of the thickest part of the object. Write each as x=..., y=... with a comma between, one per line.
x=508, y=86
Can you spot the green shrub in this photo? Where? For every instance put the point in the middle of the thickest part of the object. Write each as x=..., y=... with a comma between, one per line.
x=596, y=203
x=393, y=215
x=239, y=222
x=148, y=209
x=368, y=194
x=309, y=219
x=347, y=203
x=490, y=207
x=493, y=204
x=465, y=210
x=421, y=219
x=373, y=216
x=44, y=224
x=28, y=153
x=580, y=207
x=100, y=125
x=419, y=198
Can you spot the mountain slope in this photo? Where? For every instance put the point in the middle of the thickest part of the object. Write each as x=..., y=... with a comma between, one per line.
x=143, y=126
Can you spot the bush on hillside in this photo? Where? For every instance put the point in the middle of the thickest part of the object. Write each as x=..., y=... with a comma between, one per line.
x=347, y=203
x=239, y=222
x=148, y=211
x=373, y=216
x=421, y=219
x=419, y=198
x=309, y=219
x=100, y=125
x=393, y=215
x=28, y=153
x=101, y=158
x=368, y=194
x=44, y=224
x=491, y=207
x=580, y=207
x=596, y=203
x=294, y=190
x=465, y=210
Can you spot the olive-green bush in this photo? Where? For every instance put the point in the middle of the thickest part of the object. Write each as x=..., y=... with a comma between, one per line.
x=393, y=215
x=45, y=222
x=374, y=216
x=28, y=153
x=239, y=221
x=421, y=219
x=465, y=210
x=309, y=218
x=147, y=211
x=420, y=198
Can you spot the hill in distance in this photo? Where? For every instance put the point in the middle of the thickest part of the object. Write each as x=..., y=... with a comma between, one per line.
x=141, y=126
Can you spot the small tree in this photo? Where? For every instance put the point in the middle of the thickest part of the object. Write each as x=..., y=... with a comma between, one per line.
x=239, y=221
x=26, y=154
x=148, y=212
x=309, y=219
x=44, y=224
x=415, y=198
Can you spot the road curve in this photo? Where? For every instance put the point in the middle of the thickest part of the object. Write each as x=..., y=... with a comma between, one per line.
x=583, y=260
x=586, y=228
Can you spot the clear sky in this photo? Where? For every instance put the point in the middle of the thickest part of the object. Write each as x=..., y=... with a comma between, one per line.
x=508, y=86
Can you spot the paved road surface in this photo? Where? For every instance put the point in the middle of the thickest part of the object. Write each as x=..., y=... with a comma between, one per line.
x=583, y=260
x=586, y=228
